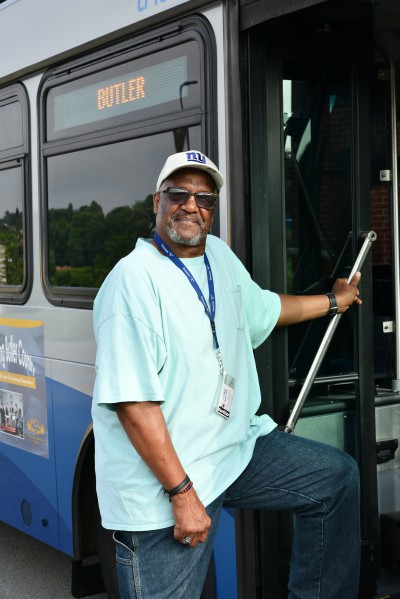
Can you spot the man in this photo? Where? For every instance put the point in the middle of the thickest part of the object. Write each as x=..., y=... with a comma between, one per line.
x=175, y=398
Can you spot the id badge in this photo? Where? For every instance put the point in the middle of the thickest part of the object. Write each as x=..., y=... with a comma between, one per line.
x=226, y=395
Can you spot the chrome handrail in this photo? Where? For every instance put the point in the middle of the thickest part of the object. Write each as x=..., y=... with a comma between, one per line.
x=291, y=423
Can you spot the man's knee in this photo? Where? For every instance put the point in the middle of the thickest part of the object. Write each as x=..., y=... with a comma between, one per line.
x=345, y=473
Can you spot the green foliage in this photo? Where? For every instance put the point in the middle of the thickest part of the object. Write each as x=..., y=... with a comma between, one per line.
x=85, y=244
x=11, y=249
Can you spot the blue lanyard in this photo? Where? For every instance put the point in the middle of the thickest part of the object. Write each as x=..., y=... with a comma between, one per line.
x=211, y=314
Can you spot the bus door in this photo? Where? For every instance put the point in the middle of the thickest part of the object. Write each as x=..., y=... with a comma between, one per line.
x=385, y=106
x=309, y=204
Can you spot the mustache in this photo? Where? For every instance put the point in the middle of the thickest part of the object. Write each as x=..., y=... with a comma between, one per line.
x=182, y=215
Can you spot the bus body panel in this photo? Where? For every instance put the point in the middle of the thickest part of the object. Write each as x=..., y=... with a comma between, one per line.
x=46, y=456
x=56, y=27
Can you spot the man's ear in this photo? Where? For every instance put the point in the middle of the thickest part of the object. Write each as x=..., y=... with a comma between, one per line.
x=156, y=200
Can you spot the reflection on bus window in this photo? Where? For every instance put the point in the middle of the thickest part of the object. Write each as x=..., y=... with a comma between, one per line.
x=11, y=228
x=98, y=206
x=13, y=152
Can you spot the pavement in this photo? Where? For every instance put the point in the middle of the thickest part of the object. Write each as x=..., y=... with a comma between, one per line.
x=30, y=569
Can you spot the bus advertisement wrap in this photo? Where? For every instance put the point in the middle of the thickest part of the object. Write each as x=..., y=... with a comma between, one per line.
x=22, y=386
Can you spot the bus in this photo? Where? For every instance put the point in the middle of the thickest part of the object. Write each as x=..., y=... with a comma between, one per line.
x=297, y=102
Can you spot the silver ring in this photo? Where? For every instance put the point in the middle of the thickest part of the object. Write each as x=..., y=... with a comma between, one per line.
x=186, y=540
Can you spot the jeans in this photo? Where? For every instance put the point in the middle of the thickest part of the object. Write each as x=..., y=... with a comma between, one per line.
x=317, y=483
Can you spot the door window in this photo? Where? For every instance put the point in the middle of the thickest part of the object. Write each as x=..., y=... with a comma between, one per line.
x=318, y=198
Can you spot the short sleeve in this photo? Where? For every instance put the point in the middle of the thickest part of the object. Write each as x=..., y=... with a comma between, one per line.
x=262, y=308
x=129, y=357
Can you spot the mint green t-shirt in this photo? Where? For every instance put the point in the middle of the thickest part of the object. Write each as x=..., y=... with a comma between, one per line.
x=154, y=343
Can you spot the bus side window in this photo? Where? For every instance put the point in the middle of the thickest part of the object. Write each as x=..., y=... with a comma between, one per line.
x=13, y=194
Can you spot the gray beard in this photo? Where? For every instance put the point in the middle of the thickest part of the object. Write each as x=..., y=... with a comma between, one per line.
x=177, y=238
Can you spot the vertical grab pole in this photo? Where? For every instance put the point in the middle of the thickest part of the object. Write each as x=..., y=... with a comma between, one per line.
x=291, y=423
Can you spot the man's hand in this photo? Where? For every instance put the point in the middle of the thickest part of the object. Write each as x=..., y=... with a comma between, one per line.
x=299, y=308
x=347, y=293
x=191, y=519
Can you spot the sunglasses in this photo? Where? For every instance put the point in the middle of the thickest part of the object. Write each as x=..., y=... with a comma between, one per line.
x=179, y=195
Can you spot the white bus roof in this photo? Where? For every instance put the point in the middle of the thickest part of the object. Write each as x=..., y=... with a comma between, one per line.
x=34, y=33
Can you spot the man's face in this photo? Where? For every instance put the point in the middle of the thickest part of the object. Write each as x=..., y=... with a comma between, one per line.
x=184, y=225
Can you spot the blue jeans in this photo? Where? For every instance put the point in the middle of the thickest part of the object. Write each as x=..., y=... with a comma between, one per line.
x=317, y=483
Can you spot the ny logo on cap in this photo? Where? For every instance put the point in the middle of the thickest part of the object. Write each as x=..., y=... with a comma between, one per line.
x=196, y=157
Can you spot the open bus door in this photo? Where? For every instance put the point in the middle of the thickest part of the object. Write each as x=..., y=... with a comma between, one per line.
x=309, y=180
x=385, y=104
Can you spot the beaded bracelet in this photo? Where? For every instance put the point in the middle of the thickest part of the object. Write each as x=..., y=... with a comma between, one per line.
x=183, y=487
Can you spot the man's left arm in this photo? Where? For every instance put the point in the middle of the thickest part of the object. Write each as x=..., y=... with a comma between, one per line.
x=298, y=308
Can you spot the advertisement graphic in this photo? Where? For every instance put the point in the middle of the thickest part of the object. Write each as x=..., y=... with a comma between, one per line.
x=23, y=410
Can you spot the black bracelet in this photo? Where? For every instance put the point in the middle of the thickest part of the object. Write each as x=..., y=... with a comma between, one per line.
x=333, y=307
x=178, y=489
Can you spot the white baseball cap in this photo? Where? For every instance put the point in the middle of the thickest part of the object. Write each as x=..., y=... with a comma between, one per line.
x=190, y=159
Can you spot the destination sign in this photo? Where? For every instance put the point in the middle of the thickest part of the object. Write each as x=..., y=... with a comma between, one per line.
x=128, y=92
